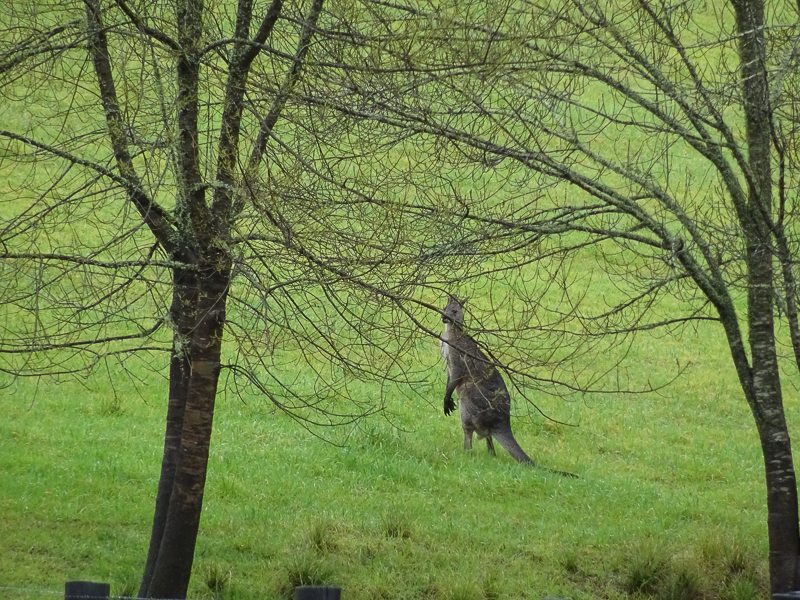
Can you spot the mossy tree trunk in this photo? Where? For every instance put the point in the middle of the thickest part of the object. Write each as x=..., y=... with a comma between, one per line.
x=179, y=515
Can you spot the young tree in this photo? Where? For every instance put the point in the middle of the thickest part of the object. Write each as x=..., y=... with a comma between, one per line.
x=165, y=188
x=658, y=137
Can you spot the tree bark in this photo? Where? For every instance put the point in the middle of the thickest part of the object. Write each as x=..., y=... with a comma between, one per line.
x=767, y=406
x=172, y=567
x=182, y=313
x=765, y=399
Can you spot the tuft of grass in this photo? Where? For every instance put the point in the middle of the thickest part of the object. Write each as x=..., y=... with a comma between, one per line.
x=734, y=566
x=682, y=583
x=129, y=589
x=304, y=569
x=743, y=588
x=465, y=591
x=217, y=580
x=111, y=405
x=713, y=573
x=646, y=573
x=738, y=561
x=569, y=562
x=321, y=536
x=490, y=588
x=396, y=525
x=654, y=576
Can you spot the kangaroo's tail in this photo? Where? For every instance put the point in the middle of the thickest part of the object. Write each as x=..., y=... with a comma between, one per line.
x=507, y=441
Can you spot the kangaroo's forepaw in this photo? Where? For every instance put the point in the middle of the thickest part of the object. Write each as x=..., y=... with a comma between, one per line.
x=449, y=406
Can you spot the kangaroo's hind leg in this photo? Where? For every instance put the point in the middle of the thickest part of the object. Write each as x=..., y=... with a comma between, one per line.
x=467, y=438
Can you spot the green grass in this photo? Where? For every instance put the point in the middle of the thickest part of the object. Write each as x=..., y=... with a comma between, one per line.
x=669, y=504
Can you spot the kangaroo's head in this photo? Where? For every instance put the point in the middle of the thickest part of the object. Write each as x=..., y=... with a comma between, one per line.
x=453, y=312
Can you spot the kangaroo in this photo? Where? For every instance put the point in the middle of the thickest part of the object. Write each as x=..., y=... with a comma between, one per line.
x=485, y=403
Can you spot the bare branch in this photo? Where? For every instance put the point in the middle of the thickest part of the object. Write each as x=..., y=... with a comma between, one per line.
x=152, y=214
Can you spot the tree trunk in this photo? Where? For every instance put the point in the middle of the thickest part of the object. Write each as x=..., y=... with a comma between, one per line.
x=183, y=315
x=782, y=513
x=764, y=393
x=767, y=405
x=172, y=563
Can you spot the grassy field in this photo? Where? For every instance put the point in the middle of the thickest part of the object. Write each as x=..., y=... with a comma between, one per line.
x=669, y=503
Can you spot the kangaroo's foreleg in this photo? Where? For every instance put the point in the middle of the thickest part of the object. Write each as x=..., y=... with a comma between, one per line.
x=452, y=384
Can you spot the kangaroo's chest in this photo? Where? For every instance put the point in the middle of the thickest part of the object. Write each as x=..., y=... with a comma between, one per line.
x=449, y=354
x=452, y=348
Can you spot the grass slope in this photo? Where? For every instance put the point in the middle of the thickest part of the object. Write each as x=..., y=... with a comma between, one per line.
x=669, y=503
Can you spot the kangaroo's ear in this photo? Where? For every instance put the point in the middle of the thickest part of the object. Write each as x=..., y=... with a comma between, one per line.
x=456, y=299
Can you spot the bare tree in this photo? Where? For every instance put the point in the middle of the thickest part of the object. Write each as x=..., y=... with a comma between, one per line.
x=655, y=139
x=165, y=187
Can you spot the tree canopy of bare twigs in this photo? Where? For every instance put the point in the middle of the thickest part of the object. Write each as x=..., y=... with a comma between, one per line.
x=657, y=137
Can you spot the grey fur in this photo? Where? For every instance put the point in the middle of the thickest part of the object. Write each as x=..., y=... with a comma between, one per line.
x=485, y=405
x=482, y=393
